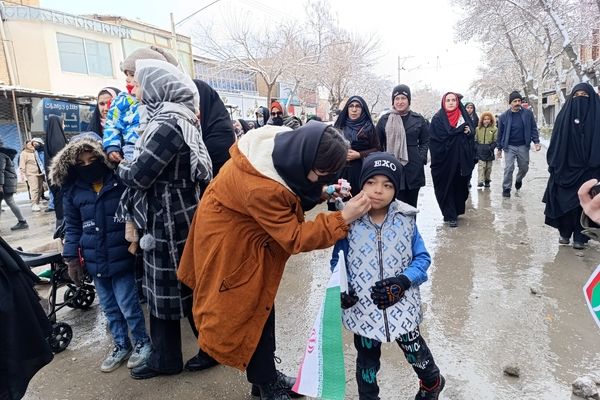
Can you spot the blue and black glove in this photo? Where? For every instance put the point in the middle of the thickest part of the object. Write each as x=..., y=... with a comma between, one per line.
x=348, y=299
x=389, y=291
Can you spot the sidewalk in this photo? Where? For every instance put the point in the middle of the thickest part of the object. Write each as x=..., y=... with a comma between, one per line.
x=41, y=225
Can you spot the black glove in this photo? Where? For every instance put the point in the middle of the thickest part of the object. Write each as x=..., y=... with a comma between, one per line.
x=75, y=270
x=389, y=291
x=348, y=300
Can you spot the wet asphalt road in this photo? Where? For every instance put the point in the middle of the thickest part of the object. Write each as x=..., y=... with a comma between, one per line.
x=480, y=314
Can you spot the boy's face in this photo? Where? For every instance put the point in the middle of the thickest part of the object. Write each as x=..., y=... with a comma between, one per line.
x=380, y=190
x=86, y=158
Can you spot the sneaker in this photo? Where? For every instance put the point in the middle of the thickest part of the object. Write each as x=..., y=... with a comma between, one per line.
x=563, y=240
x=453, y=223
x=578, y=245
x=432, y=393
x=20, y=225
x=518, y=185
x=487, y=184
x=115, y=359
x=140, y=354
x=36, y=208
x=480, y=184
x=506, y=193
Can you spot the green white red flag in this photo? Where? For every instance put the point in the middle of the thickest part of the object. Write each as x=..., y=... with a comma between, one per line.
x=591, y=291
x=322, y=374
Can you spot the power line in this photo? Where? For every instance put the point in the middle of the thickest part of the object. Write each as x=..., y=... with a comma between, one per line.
x=196, y=12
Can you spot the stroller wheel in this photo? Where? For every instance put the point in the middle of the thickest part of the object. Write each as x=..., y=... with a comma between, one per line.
x=69, y=297
x=86, y=297
x=60, y=337
x=81, y=298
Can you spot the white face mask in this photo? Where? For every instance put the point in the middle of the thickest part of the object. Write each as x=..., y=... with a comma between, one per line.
x=260, y=121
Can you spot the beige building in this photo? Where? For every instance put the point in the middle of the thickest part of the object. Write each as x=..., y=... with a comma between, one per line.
x=76, y=55
x=55, y=62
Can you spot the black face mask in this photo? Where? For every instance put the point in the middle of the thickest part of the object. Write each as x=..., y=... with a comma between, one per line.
x=91, y=173
x=278, y=121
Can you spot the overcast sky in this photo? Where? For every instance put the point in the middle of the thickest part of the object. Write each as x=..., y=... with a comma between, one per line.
x=419, y=31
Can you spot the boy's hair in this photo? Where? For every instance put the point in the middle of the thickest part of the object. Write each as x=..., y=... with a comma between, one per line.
x=381, y=163
x=332, y=151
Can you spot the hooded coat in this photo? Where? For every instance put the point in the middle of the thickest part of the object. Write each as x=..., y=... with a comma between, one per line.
x=8, y=175
x=235, y=281
x=24, y=329
x=573, y=154
x=90, y=223
x=217, y=130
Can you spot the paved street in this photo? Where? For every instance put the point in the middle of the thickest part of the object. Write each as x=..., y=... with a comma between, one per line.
x=480, y=313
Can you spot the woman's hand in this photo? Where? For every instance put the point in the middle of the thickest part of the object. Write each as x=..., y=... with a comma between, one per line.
x=352, y=155
x=356, y=207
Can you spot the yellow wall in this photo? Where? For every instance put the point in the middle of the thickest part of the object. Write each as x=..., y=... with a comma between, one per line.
x=38, y=62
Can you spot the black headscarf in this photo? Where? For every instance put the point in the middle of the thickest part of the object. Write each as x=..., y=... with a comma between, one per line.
x=294, y=155
x=244, y=124
x=474, y=116
x=575, y=143
x=352, y=128
x=217, y=129
x=55, y=139
x=96, y=121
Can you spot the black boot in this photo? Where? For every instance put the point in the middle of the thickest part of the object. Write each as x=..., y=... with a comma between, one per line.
x=200, y=362
x=279, y=389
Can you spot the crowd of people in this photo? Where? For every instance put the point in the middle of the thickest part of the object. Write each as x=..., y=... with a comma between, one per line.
x=155, y=189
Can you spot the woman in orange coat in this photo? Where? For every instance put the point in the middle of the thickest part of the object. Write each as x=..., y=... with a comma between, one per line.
x=273, y=177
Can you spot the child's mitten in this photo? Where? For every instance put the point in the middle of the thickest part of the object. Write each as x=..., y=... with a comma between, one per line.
x=348, y=300
x=389, y=291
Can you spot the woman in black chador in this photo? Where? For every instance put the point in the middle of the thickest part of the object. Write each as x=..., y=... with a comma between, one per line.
x=358, y=128
x=573, y=158
x=452, y=150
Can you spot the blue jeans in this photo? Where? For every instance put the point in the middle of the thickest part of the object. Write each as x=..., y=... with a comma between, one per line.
x=119, y=300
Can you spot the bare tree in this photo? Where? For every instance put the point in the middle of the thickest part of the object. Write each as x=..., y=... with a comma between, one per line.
x=538, y=36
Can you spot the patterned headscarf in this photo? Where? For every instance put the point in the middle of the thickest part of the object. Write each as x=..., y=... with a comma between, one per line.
x=167, y=93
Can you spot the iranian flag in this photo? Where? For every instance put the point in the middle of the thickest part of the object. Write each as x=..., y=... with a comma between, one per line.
x=322, y=372
x=591, y=291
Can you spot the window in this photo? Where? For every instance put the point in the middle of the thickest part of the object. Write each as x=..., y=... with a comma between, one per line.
x=84, y=56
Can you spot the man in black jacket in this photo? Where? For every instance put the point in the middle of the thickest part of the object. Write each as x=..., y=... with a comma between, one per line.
x=516, y=130
x=416, y=130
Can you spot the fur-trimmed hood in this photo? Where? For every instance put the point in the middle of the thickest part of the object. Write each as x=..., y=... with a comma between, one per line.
x=67, y=158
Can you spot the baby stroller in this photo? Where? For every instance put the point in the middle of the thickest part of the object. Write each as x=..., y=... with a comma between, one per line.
x=79, y=297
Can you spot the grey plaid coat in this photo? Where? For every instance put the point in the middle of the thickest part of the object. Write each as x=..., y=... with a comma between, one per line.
x=163, y=170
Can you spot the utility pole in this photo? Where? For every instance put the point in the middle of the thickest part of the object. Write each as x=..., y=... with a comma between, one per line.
x=174, y=38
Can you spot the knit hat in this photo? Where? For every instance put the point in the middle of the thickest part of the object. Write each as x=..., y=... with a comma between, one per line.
x=401, y=89
x=514, y=95
x=381, y=163
x=145, y=53
x=37, y=140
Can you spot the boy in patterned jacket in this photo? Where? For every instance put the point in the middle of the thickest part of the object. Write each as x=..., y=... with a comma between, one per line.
x=386, y=261
x=122, y=128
